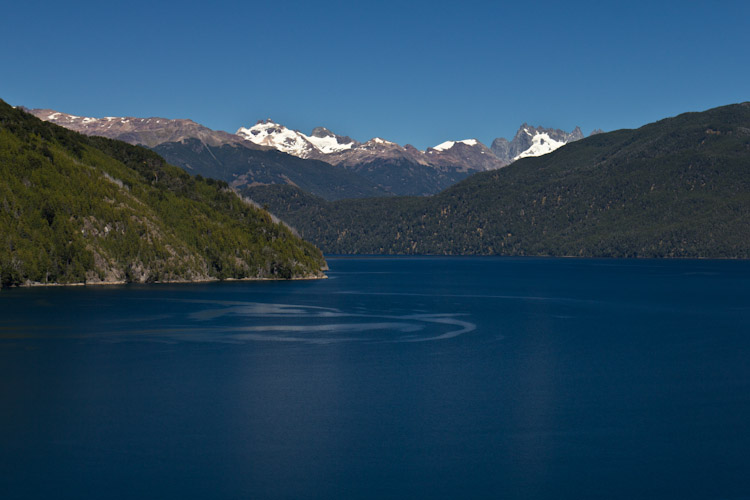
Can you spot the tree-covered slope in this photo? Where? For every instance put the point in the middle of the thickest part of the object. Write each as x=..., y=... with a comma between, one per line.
x=679, y=187
x=403, y=177
x=242, y=167
x=89, y=209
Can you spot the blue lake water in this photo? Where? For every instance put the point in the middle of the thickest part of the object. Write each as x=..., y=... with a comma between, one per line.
x=395, y=378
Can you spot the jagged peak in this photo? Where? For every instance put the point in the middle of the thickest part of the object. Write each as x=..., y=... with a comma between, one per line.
x=321, y=132
x=267, y=121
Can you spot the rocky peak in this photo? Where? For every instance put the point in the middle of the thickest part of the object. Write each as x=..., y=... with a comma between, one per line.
x=466, y=155
x=575, y=135
x=321, y=132
x=533, y=141
x=501, y=148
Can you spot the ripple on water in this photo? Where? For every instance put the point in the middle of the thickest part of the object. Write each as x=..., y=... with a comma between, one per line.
x=239, y=322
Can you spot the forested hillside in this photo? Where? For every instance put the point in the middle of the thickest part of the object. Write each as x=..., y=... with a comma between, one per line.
x=77, y=209
x=679, y=187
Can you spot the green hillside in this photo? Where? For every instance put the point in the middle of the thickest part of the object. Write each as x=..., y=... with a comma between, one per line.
x=679, y=187
x=77, y=209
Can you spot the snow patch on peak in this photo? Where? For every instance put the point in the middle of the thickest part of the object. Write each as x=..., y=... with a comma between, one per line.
x=268, y=133
x=541, y=144
x=378, y=140
x=328, y=144
x=444, y=146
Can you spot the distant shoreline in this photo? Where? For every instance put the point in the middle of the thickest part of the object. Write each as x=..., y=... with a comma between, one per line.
x=513, y=256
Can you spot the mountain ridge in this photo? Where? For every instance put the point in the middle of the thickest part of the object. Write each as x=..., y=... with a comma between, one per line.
x=149, y=132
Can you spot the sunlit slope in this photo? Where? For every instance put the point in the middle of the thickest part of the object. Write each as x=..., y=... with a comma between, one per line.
x=88, y=209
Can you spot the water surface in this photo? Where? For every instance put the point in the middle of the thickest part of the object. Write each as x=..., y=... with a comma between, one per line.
x=395, y=378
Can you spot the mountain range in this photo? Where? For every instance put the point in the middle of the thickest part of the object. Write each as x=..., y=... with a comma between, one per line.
x=464, y=155
x=377, y=167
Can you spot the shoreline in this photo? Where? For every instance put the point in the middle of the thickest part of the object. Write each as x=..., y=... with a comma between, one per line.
x=171, y=282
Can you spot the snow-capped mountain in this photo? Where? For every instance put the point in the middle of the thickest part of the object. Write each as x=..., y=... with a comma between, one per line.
x=268, y=133
x=466, y=155
x=396, y=169
x=327, y=142
x=319, y=143
x=147, y=131
x=532, y=141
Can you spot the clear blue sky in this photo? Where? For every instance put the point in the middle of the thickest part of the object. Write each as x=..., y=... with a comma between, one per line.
x=418, y=72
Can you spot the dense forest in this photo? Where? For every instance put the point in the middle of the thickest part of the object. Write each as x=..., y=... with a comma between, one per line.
x=78, y=209
x=679, y=187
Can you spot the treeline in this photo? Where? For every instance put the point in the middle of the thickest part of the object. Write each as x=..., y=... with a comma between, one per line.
x=77, y=209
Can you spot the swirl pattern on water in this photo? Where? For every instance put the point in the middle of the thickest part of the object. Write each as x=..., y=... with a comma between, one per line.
x=239, y=322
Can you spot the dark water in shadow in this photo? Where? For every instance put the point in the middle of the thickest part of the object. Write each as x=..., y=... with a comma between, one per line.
x=395, y=378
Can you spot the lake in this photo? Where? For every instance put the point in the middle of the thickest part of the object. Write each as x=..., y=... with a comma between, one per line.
x=395, y=378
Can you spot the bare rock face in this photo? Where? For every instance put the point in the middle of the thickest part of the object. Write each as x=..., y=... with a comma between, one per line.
x=322, y=133
x=467, y=155
x=376, y=149
x=501, y=148
x=149, y=132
